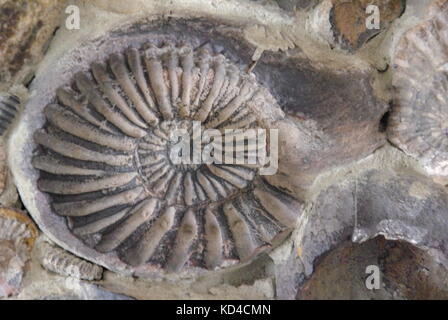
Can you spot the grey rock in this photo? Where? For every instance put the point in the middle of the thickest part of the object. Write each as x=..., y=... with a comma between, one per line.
x=333, y=116
x=418, y=122
x=405, y=272
x=85, y=291
x=402, y=206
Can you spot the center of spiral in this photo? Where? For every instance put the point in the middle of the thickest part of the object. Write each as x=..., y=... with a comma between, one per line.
x=166, y=150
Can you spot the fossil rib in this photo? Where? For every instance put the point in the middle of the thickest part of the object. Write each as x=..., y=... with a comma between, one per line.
x=240, y=231
x=141, y=215
x=185, y=236
x=213, y=237
x=145, y=247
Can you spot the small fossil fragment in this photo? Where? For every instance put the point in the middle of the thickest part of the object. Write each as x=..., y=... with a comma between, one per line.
x=9, y=108
x=419, y=119
x=59, y=261
x=105, y=160
x=17, y=236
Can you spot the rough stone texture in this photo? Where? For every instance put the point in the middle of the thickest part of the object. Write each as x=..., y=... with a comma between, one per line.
x=401, y=204
x=253, y=281
x=334, y=118
x=406, y=272
x=68, y=289
x=331, y=221
x=293, y=5
x=25, y=31
x=394, y=205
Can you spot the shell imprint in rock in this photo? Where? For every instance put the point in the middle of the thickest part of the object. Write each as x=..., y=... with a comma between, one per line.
x=17, y=237
x=59, y=261
x=419, y=119
x=9, y=105
x=104, y=160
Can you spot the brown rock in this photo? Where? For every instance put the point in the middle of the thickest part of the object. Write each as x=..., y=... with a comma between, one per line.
x=406, y=272
x=349, y=20
x=25, y=30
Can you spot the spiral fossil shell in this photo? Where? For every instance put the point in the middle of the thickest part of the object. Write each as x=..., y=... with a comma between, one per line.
x=14, y=225
x=17, y=237
x=419, y=119
x=103, y=158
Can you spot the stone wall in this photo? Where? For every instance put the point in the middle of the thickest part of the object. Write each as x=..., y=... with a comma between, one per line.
x=361, y=115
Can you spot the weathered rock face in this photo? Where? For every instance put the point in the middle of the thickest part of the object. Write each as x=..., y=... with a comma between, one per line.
x=293, y=5
x=376, y=203
x=419, y=121
x=334, y=117
x=379, y=192
x=25, y=31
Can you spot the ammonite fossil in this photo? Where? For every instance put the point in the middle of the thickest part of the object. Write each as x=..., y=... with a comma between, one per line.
x=419, y=120
x=104, y=157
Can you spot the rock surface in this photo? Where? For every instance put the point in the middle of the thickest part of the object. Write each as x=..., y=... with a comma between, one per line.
x=348, y=19
x=25, y=31
x=393, y=205
x=406, y=272
x=334, y=156
x=334, y=116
